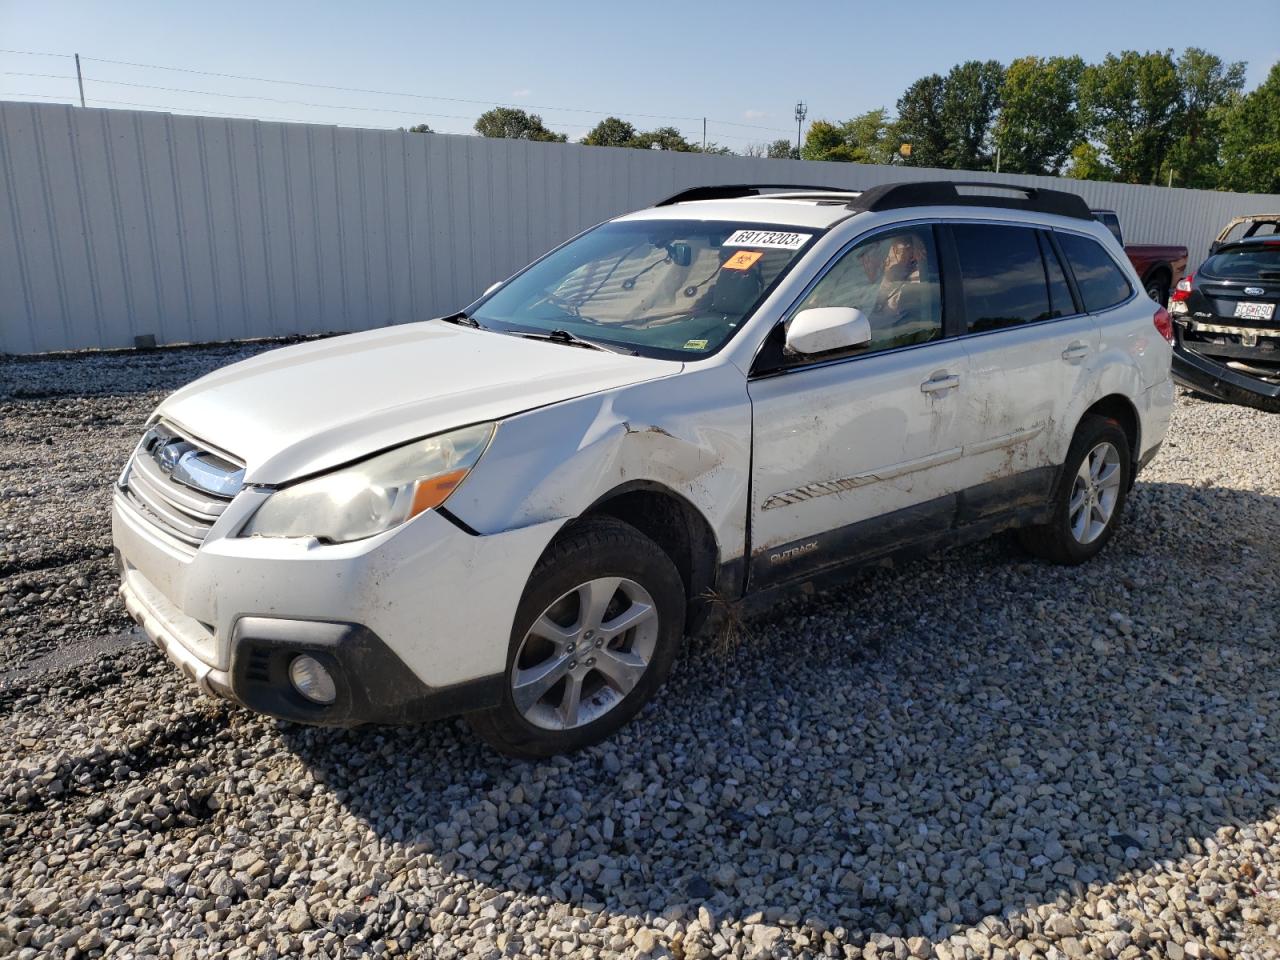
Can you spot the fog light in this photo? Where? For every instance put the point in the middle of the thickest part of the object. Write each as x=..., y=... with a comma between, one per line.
x=312, y=680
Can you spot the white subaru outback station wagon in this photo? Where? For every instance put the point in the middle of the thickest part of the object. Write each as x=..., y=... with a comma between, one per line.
x=520, y=511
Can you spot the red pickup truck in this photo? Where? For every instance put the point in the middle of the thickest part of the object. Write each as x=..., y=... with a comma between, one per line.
x=1160, y=265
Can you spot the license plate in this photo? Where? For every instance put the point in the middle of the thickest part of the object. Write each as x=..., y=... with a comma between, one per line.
x=1255, y=311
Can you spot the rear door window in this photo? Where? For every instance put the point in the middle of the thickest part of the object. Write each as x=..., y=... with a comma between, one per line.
x=1002, y=276
x=1101, y=282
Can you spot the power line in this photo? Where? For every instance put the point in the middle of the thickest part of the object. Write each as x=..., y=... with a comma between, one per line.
x=374, y=92
x=248, y=96
x=421, y=96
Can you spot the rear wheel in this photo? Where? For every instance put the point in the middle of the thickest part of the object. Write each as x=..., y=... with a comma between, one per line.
x=1090, y=496
x=595, y=635
x=1157, y=288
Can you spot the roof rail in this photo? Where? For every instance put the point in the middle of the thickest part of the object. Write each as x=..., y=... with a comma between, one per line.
x=946, y=193
x=732, y=191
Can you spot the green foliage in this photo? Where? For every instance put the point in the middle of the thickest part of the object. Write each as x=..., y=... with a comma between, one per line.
x=1131, y=105
x=1209, y=86
x=867, y=138
x=1251, y=139
x=509, y=123
x=1039, y=121
x=782, y=150
x=920, y=122
x=664, y=138
x=1087, y=163
x=611, y=132
x=420, y=128
x=970, y=98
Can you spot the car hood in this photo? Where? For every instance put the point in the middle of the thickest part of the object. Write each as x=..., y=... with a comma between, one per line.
x=305, y=408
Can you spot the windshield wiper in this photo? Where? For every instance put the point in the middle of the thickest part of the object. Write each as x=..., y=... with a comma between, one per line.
x=462, y=319
x=573, y=340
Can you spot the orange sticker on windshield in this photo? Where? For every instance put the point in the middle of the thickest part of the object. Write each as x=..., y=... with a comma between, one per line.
x=743, y=260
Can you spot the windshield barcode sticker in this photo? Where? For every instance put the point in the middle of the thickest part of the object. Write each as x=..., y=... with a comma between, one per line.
x=773, y=239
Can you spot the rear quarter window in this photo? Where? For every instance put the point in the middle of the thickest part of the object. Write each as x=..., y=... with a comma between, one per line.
x=1101, y=282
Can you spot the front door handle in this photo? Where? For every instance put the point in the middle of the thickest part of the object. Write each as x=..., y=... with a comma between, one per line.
x=939, y=382
x=1077, y=350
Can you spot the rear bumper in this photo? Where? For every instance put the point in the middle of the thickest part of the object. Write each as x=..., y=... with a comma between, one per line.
x=1197, y=372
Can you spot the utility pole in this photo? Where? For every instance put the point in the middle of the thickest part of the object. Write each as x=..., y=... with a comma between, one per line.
x=802, y=111
x=80, y=79
x=704, y=134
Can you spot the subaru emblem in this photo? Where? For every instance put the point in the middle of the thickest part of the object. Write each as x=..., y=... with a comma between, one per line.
x=1253, y=291
x=169, y=455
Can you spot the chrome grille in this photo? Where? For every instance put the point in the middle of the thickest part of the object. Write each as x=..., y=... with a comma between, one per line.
x=180, y=487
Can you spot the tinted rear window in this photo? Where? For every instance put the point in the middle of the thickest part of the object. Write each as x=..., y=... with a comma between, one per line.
x=1102, y=284
x=1002, y=276
x=1060, y=302
x=1244, y=263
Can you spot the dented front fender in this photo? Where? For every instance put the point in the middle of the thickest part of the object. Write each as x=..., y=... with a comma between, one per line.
x=690, y=434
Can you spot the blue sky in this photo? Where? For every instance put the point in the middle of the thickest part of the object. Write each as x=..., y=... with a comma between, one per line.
x=742, y=65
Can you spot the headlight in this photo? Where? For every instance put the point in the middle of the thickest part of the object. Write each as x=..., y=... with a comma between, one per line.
x=375, y=495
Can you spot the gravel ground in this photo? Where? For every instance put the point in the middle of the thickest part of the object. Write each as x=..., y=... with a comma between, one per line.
x=975, y=755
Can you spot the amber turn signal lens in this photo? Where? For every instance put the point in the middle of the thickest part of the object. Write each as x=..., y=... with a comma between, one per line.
x=435, y=491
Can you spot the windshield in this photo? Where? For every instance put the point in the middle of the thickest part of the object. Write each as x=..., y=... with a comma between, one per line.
x=661, y=288
x=1245, y=262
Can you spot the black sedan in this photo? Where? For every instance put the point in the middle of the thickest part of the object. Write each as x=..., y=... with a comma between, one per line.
x=1228, y=325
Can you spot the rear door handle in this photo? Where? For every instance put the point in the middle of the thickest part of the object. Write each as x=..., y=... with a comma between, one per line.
x=940, y=382
x=1076, y=351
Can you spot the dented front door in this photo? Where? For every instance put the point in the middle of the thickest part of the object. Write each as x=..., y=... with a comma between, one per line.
x=853, y=456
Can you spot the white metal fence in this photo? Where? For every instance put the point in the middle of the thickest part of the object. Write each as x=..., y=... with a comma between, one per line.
x=116, y=224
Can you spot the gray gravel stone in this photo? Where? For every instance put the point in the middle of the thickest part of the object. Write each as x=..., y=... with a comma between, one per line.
x=972, y=755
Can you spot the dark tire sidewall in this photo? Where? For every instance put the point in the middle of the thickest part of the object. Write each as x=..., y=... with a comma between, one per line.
x=1093, y=431
x=619, y=550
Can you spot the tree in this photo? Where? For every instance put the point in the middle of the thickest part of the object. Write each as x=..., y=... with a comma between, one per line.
x=970, y=98
x=1131, y=105
x=1087, y=163
x=1208, y=87
x=509, y=123
x=664, y=138
x=1039, y=122
x=611, y=132
x=421, y=128
x=920, y=122
x=866, y=138
x=782, y=150
x=1251, y=139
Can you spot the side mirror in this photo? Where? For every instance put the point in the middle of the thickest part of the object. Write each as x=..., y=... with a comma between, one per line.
x=821, y=329
x=492, y=287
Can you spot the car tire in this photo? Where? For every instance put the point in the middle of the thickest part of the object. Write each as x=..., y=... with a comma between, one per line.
x=560, y=638
x=1157, y=289
x=1089, y=497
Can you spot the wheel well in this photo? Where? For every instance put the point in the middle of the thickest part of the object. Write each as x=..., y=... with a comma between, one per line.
x=678, y=528
x=1159, y=273
x=1121, y=410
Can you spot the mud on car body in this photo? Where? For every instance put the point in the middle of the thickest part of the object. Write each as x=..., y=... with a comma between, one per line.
x=519, y=512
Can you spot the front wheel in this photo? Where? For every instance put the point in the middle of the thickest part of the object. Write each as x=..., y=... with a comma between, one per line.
x=1090, y=496
x=595, y=634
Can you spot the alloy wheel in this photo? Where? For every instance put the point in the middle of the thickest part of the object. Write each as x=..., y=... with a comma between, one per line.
x=1094, y=493
x=585, y=653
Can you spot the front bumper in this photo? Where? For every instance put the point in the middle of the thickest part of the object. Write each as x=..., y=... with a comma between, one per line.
x=413, y=624
x=1197, y=372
